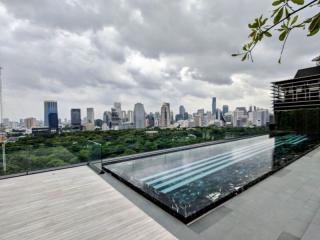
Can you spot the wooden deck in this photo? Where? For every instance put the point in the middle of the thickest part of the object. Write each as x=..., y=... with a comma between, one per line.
x=71, y=204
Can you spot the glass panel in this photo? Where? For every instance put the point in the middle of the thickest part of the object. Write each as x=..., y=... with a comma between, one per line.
x=23, y=159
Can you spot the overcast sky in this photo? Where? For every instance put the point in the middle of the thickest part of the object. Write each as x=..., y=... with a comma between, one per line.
x=93, y=53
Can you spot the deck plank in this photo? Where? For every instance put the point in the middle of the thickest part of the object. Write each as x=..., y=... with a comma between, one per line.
x=71, y=204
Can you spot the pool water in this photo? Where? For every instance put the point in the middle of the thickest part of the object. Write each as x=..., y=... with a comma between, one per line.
x=190, y=182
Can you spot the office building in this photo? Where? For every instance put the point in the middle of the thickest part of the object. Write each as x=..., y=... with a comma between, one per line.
x=165, y=115
x=183, y=115
x=200, y=112
x=90, y=115
x=259, y=117
x=214, y=105
x=262, y=117
x=30, y=123
x=53, y=121
x=49, y=107
x=150, y=120
x=157, y=119
x=198, y=121
x=296, y=102
x=98, y=123
x=124, y=116
x=171, y=117
x=225, y=109
x=130, y=116
x=240, y=117
x=115, y=119
x=139, y=115
x=117, y=107
x=182, y=110
x=107, y=117
x=76, y=118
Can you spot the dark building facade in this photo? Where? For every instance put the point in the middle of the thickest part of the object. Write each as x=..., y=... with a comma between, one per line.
x=76, y=118
x=98, y=123
x=53, y=121
x=214, y=105
x=296, y=102
x=225, y=109
x=49, y=108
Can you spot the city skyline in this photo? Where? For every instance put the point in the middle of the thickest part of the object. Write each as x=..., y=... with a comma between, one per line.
x=100, y=114
x=118, y=118
x=64, y=108
x=86, y=58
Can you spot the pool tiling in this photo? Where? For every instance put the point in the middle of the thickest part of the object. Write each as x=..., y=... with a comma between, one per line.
x=189, y=183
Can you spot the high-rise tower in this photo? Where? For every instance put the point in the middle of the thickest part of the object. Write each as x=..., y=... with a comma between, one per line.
x=90, y=115
x=50, y=109
x=76, y=118
x=139, y=115
x=165, y=115
x=214, y=105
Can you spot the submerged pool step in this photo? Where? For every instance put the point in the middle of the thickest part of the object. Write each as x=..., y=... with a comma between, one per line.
x=204, y=174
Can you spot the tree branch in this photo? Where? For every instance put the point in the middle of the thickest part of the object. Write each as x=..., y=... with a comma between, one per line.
x=290, y=14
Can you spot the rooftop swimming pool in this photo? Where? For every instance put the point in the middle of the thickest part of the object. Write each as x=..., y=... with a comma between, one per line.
x=191, y=182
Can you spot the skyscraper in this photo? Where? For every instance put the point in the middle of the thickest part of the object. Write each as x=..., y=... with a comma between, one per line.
x=214, y=105
x=157, y=119
x=90, y=115
x=115, y=119
x=53, y=121
x=49, y=107
x=150, y=120
x=76, y=118
x=117, y=107
x=107, y=117
x=130, y=116
x=182, y=110
x=225, y=109
x=262, y=117
x=139, y=115
x=165, y=115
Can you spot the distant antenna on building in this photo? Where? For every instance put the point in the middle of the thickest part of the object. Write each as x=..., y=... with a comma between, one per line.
x=317, y=60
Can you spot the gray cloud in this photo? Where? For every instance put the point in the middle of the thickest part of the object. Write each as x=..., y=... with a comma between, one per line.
x=93, y=53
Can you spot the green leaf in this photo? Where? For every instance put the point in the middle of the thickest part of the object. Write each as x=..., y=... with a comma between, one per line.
x=294, y=20
x=254, y=25
x=275, y=11
x=268, y=34
x=283, y=35
x=287, y=13
x=264, y=21
x=276, y=3
x=244, y=57
x=278, y=16
x=315, y=23
x=314, y=32
x=299, y=2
